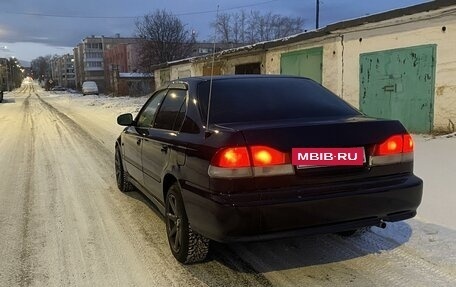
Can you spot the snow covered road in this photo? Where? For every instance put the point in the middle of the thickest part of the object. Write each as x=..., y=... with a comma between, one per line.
x=64, y=223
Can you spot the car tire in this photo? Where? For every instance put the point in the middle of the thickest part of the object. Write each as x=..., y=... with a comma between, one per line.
x=121, y=176
x=186, y=245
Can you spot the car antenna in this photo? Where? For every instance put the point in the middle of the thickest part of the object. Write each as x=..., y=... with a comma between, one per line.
x=212, y=74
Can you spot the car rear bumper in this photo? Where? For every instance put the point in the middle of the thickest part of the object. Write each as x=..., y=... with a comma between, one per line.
x=226, y=218
x=90, y=93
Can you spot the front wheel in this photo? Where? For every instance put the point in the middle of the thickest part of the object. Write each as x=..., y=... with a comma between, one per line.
x=186, y=245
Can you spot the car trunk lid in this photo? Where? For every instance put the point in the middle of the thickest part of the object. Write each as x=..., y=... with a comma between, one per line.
x=357, y=131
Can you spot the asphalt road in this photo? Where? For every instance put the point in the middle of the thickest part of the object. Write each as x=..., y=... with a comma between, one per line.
x=63, y=222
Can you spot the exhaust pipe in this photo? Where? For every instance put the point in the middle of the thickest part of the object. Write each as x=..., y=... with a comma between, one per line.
x=381, y=224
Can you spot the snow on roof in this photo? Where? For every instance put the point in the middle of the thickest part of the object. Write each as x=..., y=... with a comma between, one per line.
x=135, y=75
x=248, y=47
x=189, y=59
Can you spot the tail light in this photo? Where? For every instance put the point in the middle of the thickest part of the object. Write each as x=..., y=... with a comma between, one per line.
x=395, y=149
x=263, y=156
x=408, y=144
x=232, y=157
x=393, y=145
x=250, y=161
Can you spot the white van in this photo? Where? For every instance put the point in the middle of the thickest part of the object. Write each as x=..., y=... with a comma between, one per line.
x=89, y=88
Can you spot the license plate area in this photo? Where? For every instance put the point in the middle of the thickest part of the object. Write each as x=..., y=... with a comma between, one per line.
x=304, y=158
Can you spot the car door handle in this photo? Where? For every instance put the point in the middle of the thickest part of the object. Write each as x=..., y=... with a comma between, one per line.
x=164, y=148
x=138, y=142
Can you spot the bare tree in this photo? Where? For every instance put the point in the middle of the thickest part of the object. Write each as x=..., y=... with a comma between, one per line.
x=223, y=27
x=163, y=38
x=238, y=27
x=241, y=27
x=41, y=66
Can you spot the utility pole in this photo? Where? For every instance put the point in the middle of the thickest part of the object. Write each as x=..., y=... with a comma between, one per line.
x=317, y=16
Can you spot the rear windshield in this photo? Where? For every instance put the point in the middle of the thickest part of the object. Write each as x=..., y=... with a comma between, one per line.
x=89, y=84
x=269, y=99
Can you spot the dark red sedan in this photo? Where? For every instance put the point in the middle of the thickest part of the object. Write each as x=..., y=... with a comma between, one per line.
x=230, y=159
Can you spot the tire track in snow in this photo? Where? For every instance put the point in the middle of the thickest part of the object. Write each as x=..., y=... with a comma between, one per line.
x=28, y=128
x=49, y=217
x=93, y=243
x=91, y=142
x=14, y=195
x=369, y=259
x=377, y=270
x=101, y=153
x=403, y=255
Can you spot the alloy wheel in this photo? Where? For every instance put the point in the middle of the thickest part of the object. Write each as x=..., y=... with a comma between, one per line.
x=174, y=220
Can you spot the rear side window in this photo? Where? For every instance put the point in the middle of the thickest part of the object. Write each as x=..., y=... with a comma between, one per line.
x=147, y=115
x=266, y=99
x=172, y=111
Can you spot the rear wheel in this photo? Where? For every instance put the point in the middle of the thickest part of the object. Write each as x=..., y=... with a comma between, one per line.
x=186, y=245
x=121, y=177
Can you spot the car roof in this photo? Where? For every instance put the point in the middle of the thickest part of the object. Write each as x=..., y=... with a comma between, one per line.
x=199, y=79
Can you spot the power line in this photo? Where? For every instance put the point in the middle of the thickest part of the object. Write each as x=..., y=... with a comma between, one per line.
x=226, y=9
x=132, y=17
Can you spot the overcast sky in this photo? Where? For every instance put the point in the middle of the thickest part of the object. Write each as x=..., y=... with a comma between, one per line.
x=32, y=28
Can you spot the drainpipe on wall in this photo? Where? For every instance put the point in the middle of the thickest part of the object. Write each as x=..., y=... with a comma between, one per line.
x=341, y=36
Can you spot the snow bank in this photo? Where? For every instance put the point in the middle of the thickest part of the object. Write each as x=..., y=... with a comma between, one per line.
x=435, y=163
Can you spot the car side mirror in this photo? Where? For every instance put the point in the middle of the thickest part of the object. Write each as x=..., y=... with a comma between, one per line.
x=125, y=120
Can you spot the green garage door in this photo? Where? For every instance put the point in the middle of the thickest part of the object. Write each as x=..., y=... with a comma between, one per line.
x=399, y=84
x=305, y=63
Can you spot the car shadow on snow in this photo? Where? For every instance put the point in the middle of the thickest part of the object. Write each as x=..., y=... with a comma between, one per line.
x=8, y=101
x=289, y=253
x=246, y=263
x=284, y=254
x=145, y=200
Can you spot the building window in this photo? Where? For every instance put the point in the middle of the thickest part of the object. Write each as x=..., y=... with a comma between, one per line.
x=98, y=46
x=94, y=55
x=93, y=64
x=205, y=50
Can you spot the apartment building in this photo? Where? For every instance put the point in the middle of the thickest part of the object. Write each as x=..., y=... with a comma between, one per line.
x=123, y=74
x=89, y=58
x=63, y=72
